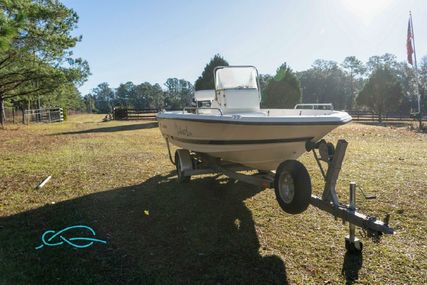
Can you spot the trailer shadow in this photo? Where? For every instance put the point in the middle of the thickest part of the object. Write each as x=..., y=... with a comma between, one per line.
x=157, y=232
x=131, y=127
x=352, y=264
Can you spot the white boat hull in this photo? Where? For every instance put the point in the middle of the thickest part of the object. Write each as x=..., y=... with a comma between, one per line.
x=259, y=142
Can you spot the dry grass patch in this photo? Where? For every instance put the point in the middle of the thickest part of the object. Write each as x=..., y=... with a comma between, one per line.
x=211, y=231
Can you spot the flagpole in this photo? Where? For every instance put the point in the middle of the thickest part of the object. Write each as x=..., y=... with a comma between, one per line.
x=415, y=63
x=413, y=41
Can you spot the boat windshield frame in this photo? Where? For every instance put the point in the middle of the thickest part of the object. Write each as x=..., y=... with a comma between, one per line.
x=237, y=87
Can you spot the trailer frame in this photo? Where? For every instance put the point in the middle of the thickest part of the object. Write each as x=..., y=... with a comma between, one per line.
x=194, y=163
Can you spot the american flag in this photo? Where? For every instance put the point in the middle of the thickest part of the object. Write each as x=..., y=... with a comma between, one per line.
x=409, y=48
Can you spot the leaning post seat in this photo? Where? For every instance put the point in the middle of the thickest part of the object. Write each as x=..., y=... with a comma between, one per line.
x=238, y=100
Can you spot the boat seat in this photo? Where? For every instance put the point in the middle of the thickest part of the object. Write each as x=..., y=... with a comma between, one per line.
x=204, y=95
x=239, y=100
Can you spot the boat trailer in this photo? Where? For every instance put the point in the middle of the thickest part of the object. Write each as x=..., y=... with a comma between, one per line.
x=191, y=163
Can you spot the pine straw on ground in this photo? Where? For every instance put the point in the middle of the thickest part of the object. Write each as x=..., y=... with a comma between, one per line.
x=116, y=178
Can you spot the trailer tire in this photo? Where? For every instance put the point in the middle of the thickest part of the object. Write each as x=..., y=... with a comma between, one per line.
x=183, y=162
x=292, y=186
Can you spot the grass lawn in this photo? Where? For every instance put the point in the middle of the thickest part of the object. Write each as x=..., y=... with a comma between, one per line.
x=116, y=178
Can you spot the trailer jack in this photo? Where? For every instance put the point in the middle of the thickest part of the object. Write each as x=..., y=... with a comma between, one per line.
x=373, y=227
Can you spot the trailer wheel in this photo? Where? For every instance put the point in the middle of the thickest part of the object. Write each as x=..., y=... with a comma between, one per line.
x=292, y=186
x=183, y=162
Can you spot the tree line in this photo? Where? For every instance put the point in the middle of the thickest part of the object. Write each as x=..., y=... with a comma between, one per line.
x=382, y=85
x=37, y=66
x=174, y=94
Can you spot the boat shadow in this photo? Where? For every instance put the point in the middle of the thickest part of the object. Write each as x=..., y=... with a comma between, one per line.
x=121, y=128
x=157, y=232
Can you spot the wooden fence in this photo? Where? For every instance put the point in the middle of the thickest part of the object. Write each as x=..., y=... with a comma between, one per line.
x=372, y=117
x=133, y=114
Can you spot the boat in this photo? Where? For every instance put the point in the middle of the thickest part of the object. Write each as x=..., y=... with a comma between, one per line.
x=228, y=123
x=226, y=132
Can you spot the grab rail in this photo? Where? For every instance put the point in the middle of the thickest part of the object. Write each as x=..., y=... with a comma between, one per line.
x=201, y=108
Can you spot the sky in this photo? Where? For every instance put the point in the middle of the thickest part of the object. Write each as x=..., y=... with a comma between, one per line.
x=142, y=40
